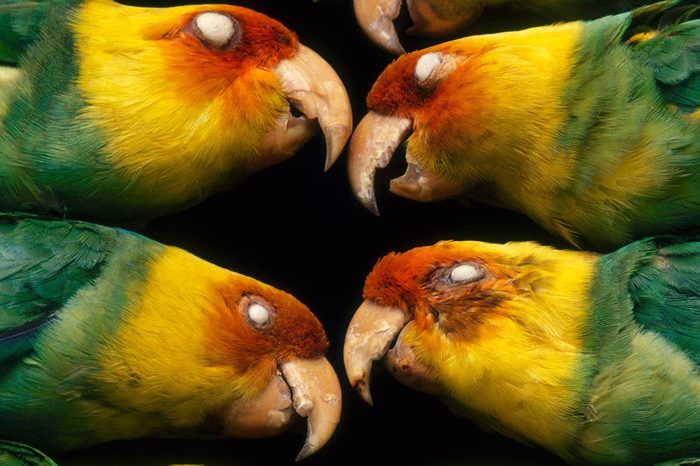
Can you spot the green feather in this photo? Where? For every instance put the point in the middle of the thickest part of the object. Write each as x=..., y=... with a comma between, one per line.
x=64, y=289
x=665, y=291
x=644, y=327
x=19, y=25
x=627, y=106
x=673, y=54
x=40, y=276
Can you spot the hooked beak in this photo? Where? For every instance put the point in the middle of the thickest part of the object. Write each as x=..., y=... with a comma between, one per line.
x=308, y=386
x=376, y=20
x=372, y=330
x=372, y=146
x=313, y=87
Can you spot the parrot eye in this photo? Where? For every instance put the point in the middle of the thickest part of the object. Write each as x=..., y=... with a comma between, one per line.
x=216, y=30
x=258, y=313
x=433, y=67
x=465, y=273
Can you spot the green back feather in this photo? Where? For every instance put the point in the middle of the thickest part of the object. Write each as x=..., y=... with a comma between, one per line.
x=644, y=329
x=19, y=26
x=43, y=265
x=673, y=54
x=65, y=288
x=53, y=161
x=665, y=291
x=628, y=106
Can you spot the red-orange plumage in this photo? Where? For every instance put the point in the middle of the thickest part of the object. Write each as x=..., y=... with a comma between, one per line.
x=414, y=281
x=436, y=114
x=396, y=91
x=263, y=42
x=294, y=332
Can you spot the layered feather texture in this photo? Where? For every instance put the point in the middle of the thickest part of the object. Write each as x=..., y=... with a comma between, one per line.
x=107, y=335
x=117, y=113
x=593, y=357
x=589, y=128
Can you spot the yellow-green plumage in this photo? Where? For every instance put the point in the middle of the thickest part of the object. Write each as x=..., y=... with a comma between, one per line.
x=595, y=358
x=107, y=335
x=121, y=113
x=589, y=128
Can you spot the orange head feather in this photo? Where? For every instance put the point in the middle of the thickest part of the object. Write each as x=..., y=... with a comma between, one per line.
x=291, y=331
x=448, y=114
x=259, y=42
x=423, y=283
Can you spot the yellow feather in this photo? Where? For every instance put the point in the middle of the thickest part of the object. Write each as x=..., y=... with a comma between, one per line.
x=513, y=100
x=520, y=367
x=133, y=97
x=195, y=379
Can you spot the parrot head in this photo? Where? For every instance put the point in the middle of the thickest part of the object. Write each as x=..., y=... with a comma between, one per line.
x=468, y=110
x=220, y=355
x=207, y=92
x=479, y=325
x=431, y=18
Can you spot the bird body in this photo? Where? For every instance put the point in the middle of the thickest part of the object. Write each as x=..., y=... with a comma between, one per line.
x=593, y=357
x=107, y=335
x=589, y=128
x=142, y=112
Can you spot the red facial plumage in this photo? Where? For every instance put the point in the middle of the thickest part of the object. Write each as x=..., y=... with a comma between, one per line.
x=264, y=42
x=294, y=332
x=413, y=282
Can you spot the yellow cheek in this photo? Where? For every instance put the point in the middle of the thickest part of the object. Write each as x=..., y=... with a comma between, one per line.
x=502, y=109
x=522, y=364
x=158, y=360
x=155, y=132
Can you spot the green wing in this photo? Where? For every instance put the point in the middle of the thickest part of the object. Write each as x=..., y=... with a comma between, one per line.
x=16, y=454
x=43, y=264
x=20, y=22
x=19, y=26
x=671, y=50
x=665, y=290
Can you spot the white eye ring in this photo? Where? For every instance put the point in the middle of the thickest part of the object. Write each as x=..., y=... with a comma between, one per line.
x=216, y=29
x=426, y=66
x=466, y=273
x=258, y=315
x=433, y=67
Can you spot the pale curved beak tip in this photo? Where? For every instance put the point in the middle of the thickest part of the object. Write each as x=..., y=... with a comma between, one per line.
x=305, y=452
x=362, y=388
x=393, y=45
x=336, y=137
x=370, y=203
x=370, y=333
x=376, y=17
x=316, y=396
x=317, y=91
x=372, y=146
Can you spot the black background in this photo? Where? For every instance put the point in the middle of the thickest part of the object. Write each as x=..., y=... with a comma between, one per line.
x=301, y=230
